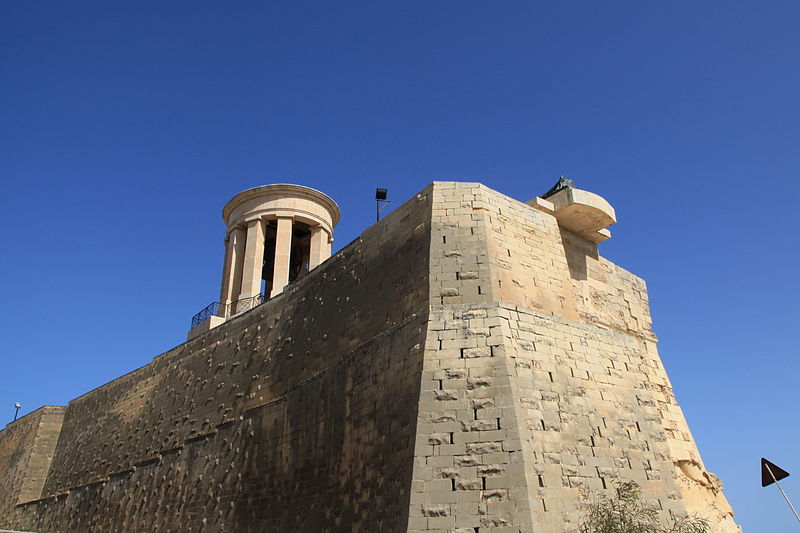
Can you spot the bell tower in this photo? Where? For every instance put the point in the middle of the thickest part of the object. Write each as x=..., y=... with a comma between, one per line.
x=275, y=235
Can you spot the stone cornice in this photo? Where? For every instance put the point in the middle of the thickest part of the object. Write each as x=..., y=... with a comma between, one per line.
x=283, y=190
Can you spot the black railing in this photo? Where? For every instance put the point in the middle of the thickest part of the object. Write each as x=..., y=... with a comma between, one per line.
x=233, y=308
x=245, y=304
x=208, y=311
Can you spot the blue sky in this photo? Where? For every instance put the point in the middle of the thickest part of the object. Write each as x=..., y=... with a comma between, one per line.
x=125, y=127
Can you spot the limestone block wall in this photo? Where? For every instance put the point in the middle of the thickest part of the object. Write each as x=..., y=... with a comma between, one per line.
x=541, y=380
x=590, y=418
x=470, y=474
x=333, y=454
x=489, y=247
x=459, y=248
x=300, y=413
x=26, y=449
x=465, y=366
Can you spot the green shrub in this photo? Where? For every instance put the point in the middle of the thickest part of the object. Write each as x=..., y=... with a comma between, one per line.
x=625, y=513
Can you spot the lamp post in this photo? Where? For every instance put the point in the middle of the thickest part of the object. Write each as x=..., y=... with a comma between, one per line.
x=380, y=202
x=17, y=405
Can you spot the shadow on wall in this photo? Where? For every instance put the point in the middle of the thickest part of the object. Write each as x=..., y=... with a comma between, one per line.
x=576, y=250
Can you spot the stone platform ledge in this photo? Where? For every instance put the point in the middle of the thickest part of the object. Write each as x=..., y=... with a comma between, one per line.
x=206, y=325
x=583, y=212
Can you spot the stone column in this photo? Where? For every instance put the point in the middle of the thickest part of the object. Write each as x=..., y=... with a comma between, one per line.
x=328, y=243
x=317, y=246
x=232, y=271
x=238, y=257
x=253, y=259
x=283, y=250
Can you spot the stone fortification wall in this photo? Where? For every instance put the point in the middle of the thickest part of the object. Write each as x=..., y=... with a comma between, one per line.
x=487, y=247
x=300, y=413
x=521, y=412
x=26, y=448
x=465, y=366
x=333, y=454
x=541, y=380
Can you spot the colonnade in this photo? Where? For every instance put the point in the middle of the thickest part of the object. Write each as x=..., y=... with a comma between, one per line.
x=276, y=234
x=247, y=252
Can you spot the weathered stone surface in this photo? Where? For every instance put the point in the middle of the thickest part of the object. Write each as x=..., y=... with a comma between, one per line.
x=568, y=368
x=26, y=449
x=466, y=364
x=299, y=414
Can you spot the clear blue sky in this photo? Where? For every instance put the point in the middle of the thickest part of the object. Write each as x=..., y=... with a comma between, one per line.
x=125, y=127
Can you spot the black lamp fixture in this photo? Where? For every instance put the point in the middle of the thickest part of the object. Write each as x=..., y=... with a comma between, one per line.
x=380, y=202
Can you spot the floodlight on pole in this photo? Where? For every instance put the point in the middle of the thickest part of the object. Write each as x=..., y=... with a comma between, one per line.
x=17, y=406
x=380, y=202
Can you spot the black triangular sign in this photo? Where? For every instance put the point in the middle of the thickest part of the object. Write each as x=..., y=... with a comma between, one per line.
x=767, y=478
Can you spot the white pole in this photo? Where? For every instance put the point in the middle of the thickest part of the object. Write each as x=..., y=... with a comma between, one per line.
x=785, y=497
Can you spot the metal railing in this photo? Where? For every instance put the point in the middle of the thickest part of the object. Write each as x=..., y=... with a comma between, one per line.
x=245, y=304
x=225, y=310
x=208, y=311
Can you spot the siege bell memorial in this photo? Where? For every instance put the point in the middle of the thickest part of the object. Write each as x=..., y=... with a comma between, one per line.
x=468, y=364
